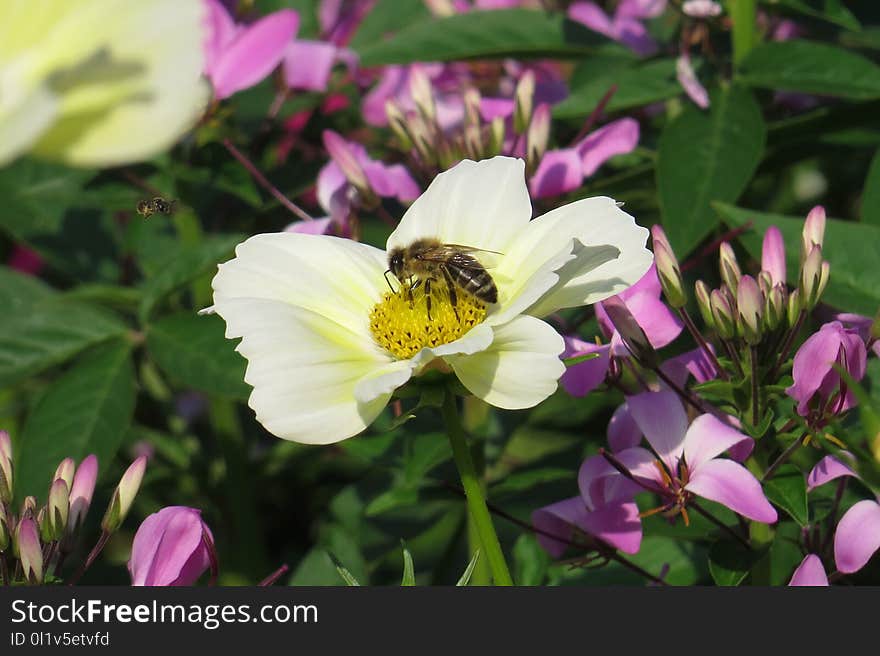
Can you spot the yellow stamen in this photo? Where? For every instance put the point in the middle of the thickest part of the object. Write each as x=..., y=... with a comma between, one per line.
x=400, y=323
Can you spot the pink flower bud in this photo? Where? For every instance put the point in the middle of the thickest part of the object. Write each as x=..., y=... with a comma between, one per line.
x=668, y=270
x=814, y=229
x=422, y=93
x=538, y=135
x=722, y=313
x=81, y=491
x=345, y=159
x=30, y=553
x=124, y=495
x=523, y=99
x=171, y=547
x=750, y=310
x=773, y=254
x=701, y=8
x=729, y=267
x=814, y=277
x=704, y=303
x=57, y=510
x=630, y=331
x=65, y=471
x=6, y=468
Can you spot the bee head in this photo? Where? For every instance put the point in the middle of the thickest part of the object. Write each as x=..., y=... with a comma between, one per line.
x=395, y=262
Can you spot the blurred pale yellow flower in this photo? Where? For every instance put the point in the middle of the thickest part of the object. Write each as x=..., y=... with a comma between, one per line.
x=98, y=82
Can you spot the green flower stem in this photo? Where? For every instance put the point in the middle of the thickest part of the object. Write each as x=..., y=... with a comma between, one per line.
x=473, y=491
x=745, y=28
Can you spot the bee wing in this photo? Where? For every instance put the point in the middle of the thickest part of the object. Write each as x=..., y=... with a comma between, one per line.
x=459, y=255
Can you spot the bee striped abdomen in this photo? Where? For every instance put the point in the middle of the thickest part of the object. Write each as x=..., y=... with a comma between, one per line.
x=473, y=278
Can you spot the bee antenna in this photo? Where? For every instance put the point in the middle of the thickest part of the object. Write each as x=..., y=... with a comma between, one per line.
x=388, y=281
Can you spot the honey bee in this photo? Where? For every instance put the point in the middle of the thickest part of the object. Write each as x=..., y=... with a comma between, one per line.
x=157, y=205
x=429, y=262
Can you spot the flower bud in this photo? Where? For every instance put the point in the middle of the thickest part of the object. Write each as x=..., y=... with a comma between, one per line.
x=81, y=492
x=30, y=553
x=750, y=309
x=668, y=270
x=473, y=141
x=65, y=471
x=773, y=254
x=422, y=93
x=57, y=510
x=397, y=123
x=722, y=314
x=496, y=136
x=6, y=468
x=704, y=303
x=630, y=331
x=124, y=495
x=537, y=136
x=29, y=506
x=814, y=278
x=765, y=282
x=776, y=306
x=5, y=529
x=729, y=267
x=472, y=100
x=813, y=233
x=523, y=99
x=794, y=307
x=171, y=547
x=701, y=8
x=346, y=160
x=422, y=140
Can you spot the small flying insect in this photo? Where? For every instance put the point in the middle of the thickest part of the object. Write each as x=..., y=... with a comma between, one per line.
x=429, y=261
x=157, y=205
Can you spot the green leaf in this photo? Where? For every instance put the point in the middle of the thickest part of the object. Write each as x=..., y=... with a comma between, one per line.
x=343, y=572
x=188, y=262
x=530, y=561
x=637, y=86
x=500, y=33
x=50, y=332
x=730, y=562
x=409, y=573
x=809, y=67
x=833, y=11
x=385, y=17
x=704, y=158
x=193, y=351
x=853, y=249
x=871, y=193
x=528, y=479
x=87, y=410
x=469, y=570
x=788, y=490
x=19, y=292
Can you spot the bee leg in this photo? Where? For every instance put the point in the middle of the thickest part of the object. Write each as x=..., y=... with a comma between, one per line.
x=453, y=296
x=428, y=297
x=413, y=285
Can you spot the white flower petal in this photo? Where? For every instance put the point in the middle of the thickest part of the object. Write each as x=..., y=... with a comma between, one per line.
x=337, y=278
x=304, y=369
x=479, y=204
x=519, y=370
x=383, y=381
x=594, y=274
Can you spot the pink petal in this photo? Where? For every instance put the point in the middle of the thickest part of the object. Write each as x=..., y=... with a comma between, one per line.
x=596, y=472
x=589, y=14
x=254, y=53
x=618, y=524
x=809, y=573
x=660, y=323
x=584, y=377
x=694, y=363
x=391, y=84
x=857, y=536
x=641, y=8
x=163, y=548
x=647, y=284
x=707, y=438
x=773, y=255
x=813, y=363
x=492, y=108
x=558, y=519
x=663, y=421
x=330, y=189
x=25, y=260
x=616, y=138
x=219, y=32
x=689, y=82
x=559, y=172
x=313, y=227
x=734, y=486
x=634, y=35
x=826, y=470
x=307, y=64
x=392, y=181
x=623, y=431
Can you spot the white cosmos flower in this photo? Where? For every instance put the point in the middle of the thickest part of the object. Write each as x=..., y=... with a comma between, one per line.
x=302, y=304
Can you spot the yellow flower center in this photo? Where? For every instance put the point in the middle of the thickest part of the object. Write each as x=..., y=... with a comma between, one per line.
x=400, y=323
